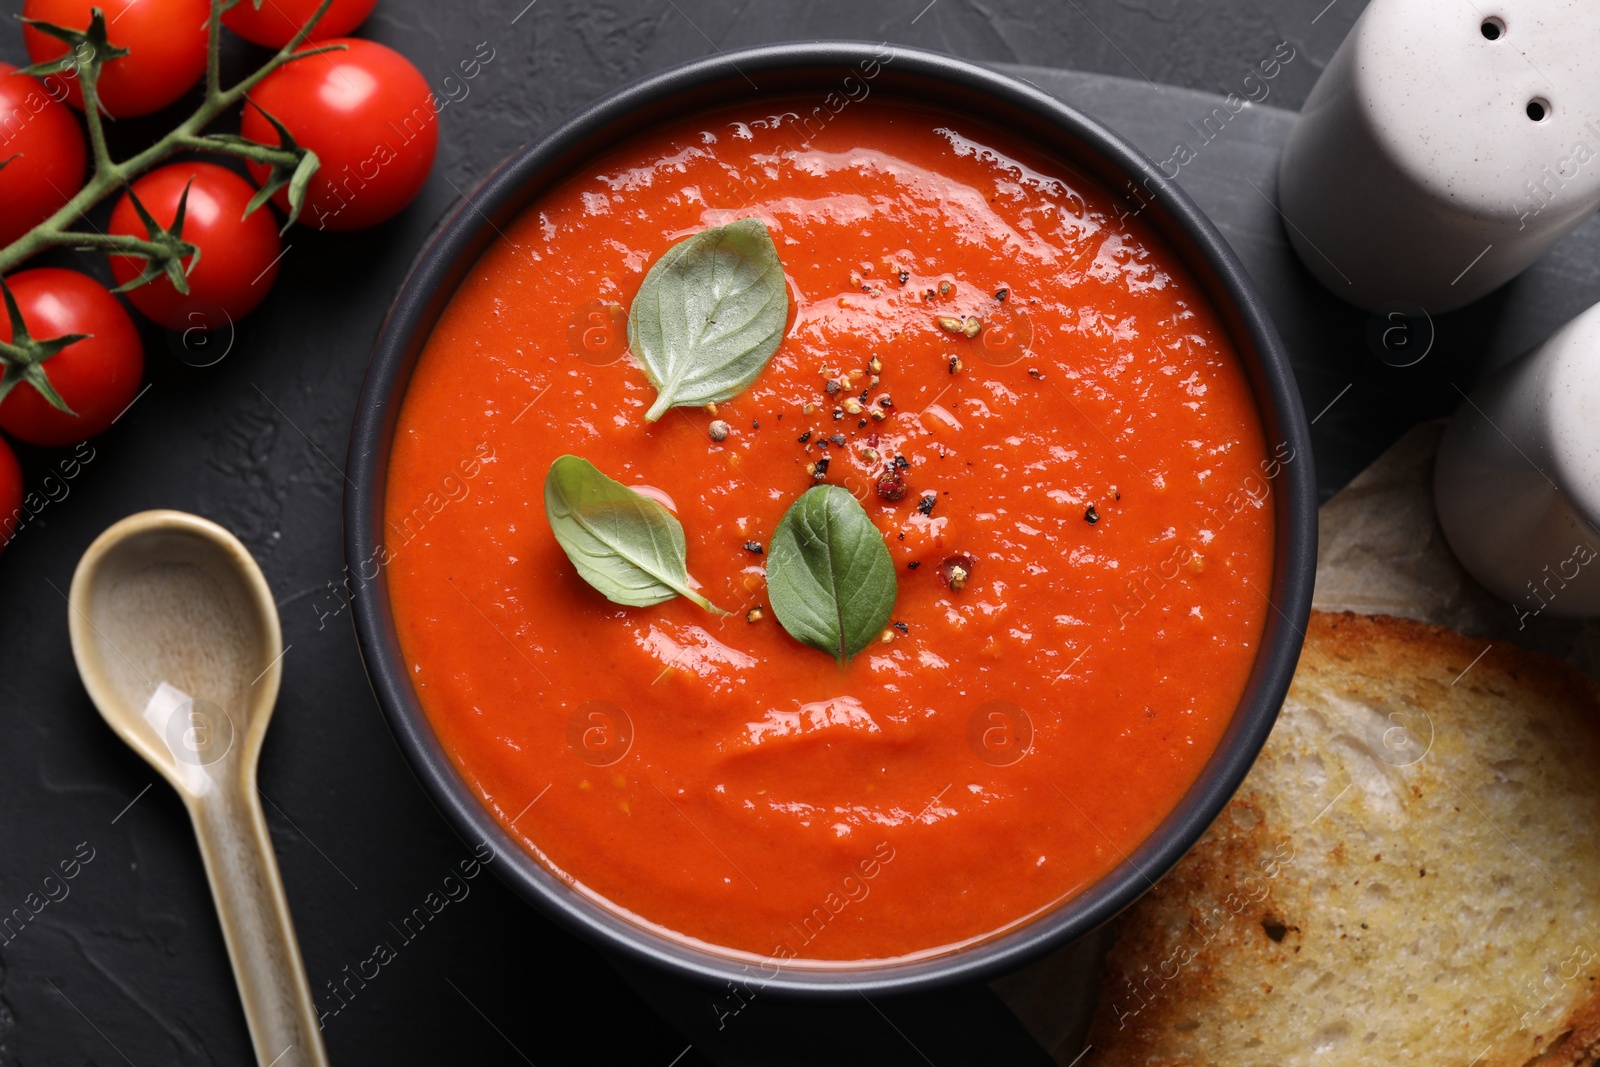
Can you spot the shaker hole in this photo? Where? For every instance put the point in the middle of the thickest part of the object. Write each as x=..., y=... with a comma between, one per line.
x=1538, y=109
x=1493, y=28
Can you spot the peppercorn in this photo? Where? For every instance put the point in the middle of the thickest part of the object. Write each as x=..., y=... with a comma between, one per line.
x=955, y=571
x=753, y=546
x=891, y=486
x=803, y=438
x=832, y=387
x=837, y=439
x=718, y=430
x=902, y=627
x=1001, y=293
x=819, y=469
x=925, y=505
x=1092, y=515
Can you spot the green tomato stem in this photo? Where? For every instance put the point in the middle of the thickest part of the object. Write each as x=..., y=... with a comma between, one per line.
x=109, y=176
x=214, y=51
x=110, y=243
x=89, y=80
x=256, y=153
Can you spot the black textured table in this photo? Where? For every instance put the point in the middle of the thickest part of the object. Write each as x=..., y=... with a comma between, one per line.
x=130, y=965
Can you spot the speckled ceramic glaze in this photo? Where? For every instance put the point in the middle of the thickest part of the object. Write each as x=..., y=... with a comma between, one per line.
x=1517, y=481
x=1446, y=146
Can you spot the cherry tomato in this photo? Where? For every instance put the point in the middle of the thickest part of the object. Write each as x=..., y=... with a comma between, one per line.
x=166, y=42
x=98, y=376
x=10, y=494
x=238, y=256
x=277, y=21
x=368, y=115
x=44, y=146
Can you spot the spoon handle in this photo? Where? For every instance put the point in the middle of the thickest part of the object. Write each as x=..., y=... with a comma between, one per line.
x=255, y=922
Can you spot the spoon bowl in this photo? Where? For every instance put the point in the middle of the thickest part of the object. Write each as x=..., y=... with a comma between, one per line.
x=169, y=598
x=176, y=637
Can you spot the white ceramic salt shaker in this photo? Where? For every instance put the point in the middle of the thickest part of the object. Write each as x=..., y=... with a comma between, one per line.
x=1446, y=146
x=1517, y=479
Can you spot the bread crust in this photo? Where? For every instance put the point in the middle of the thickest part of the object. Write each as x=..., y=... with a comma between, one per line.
x=1371, y=898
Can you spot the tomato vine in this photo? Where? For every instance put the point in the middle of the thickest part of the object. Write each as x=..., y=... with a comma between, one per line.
x=88, y=51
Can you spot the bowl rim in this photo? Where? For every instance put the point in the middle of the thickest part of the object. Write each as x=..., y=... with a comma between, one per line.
x=1070, y=137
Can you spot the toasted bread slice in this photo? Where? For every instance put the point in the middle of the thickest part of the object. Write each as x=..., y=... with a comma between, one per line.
x=1410, y=873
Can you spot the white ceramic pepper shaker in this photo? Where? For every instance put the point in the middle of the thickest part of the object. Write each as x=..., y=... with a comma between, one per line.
x=1446, y=146
x=1517, y=479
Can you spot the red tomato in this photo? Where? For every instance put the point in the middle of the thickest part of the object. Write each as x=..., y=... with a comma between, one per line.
x=45, y=148
x=166, y=42
x=368, y=115
x=277, y=21
x=10, y=494
x=98, y=377
x=238, y=255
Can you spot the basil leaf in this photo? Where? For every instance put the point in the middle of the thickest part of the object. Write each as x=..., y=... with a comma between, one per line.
x=709, y=316
x=829, y=576
x=626, y=545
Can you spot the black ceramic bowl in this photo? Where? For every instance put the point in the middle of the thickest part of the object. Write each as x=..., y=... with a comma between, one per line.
x=931, y=79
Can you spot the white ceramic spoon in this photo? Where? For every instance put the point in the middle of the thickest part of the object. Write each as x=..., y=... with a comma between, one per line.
x=176, y=637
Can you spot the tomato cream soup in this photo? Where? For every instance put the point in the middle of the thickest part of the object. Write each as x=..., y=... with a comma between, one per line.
x=1038, y=409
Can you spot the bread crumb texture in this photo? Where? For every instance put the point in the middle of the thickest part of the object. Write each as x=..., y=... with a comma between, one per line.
x=1409, y=875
